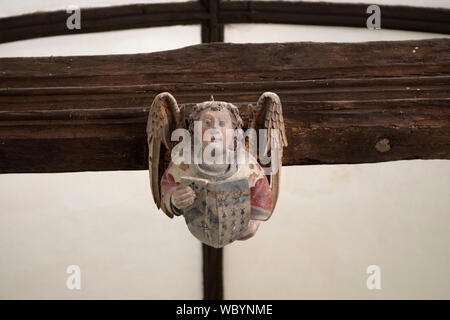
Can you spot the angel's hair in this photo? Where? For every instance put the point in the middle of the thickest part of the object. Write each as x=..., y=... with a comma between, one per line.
x=215, y=106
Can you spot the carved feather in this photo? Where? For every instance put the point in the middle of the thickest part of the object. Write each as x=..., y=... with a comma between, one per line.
x=268, y=114
x=164, y=117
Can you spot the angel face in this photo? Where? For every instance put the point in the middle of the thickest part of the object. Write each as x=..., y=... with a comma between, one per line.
x=213, y=123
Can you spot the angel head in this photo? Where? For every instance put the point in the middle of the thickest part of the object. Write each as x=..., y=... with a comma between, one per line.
x=217, y=120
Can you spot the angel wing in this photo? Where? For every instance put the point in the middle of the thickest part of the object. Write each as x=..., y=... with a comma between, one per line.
x=268, y=114
x=164, y=116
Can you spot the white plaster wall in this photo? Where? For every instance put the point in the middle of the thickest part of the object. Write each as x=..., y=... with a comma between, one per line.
x=330, y=224
x=257, y=33
x=104, y=222
x=113, y=42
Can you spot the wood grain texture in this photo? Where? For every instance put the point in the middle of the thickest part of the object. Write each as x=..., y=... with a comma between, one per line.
x=334, y=14
x=212, y=15
x=339, y=100
x=212, y=272
x=212, y=30
x=53, y=23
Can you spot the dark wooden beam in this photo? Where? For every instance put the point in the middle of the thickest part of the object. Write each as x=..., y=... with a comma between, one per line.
x=41, y=24
x=335, y=14
x=44, y=24
x=62, y=114
x=212, y=273
x=212, y=31
x=212, y=257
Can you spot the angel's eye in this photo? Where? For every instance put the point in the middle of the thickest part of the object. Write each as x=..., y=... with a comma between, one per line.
x=208, y=123
x=222, y=123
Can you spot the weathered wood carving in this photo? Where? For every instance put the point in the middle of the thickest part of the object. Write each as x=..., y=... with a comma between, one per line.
x=219, y=183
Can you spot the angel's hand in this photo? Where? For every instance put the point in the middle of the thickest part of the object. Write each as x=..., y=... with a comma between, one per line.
x=182, y=197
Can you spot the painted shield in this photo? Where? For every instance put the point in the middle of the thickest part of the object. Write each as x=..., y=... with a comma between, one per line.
x=220, y=212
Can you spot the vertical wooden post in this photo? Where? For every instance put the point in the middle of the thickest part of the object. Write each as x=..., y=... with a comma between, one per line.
x=212, y=273
x=212, y=31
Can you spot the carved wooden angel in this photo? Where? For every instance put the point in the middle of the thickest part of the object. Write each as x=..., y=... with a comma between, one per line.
x=213, y=176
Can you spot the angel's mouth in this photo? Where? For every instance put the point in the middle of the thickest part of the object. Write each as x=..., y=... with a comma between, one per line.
x=213, y=139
